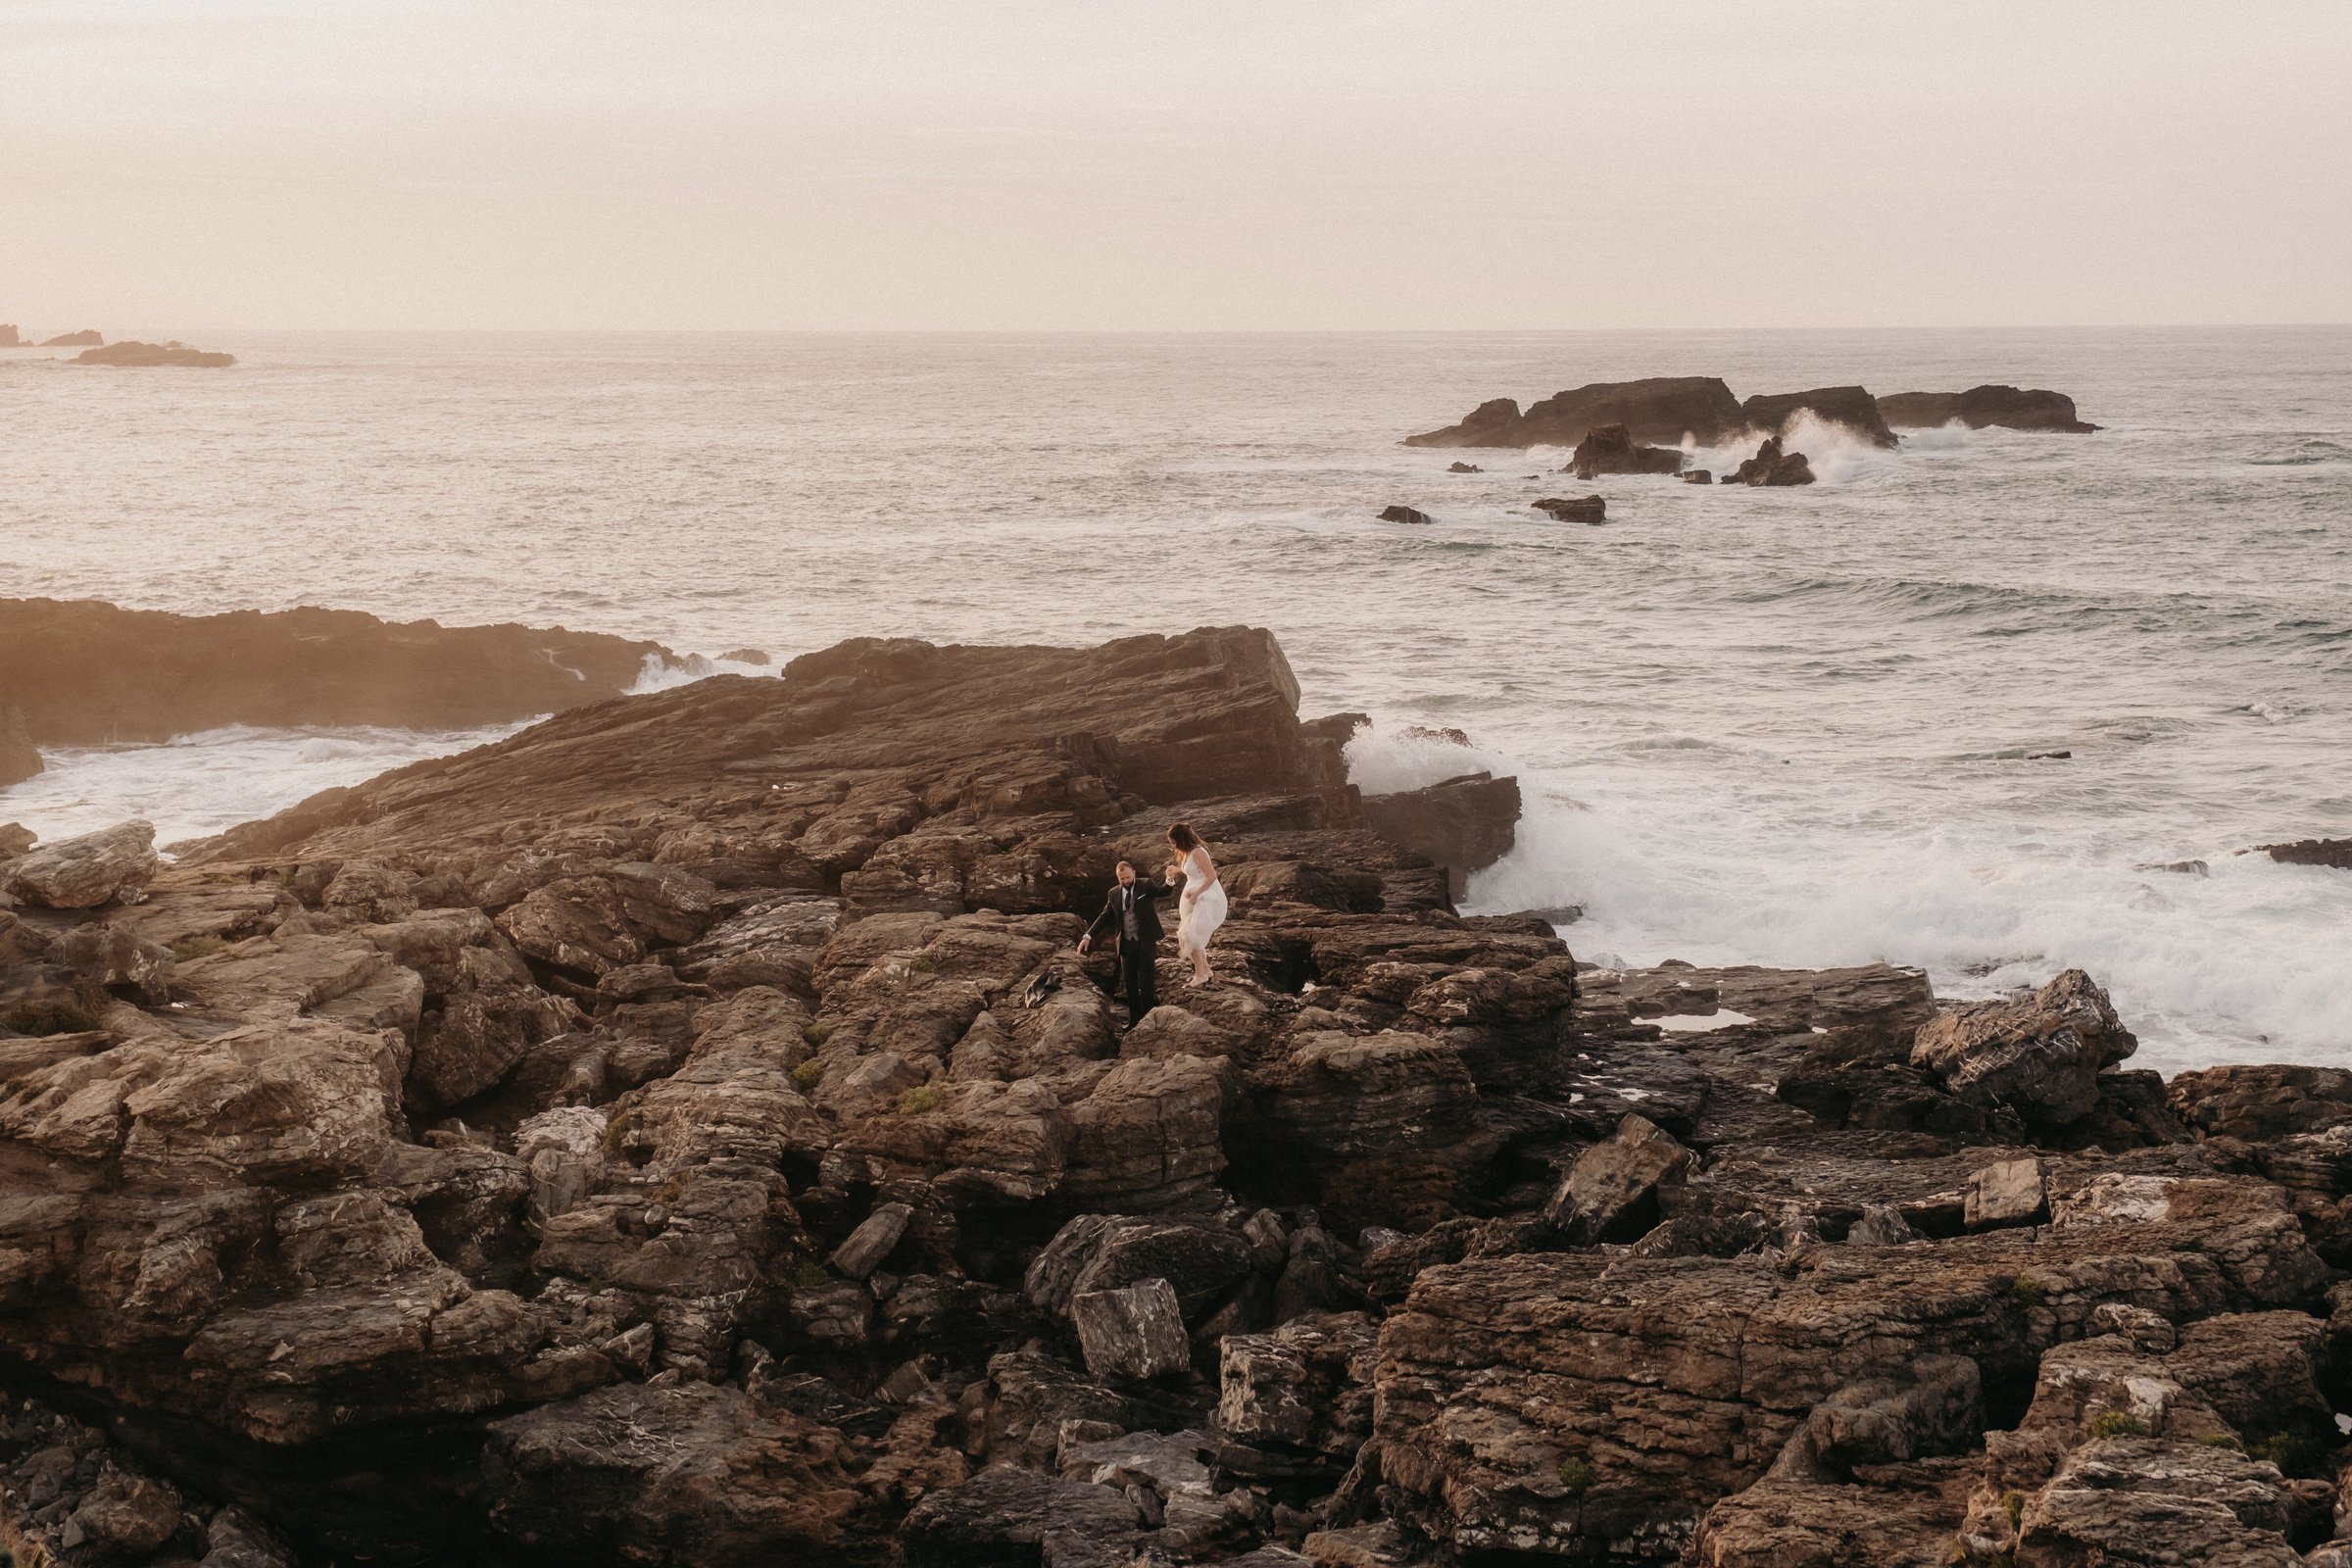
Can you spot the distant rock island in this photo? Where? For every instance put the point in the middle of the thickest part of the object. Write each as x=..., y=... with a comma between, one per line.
x=87, y=337
x=9, y=338
x=134, y=354
x=83, y=673
x=1668, y=410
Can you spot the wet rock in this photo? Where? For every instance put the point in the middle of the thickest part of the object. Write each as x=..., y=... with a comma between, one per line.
x=1579, y=508
x=1463, y=468
x=1611, y=449
x=1401, y=513
x=1991, y=404
x=19, y=759
x=2039, y=1057
x=81, y=873
x=1698, y=477
x=1464, y=825
x=1850, y=406
x=2335, y=852
x=2267, y=1100
x=1773, y=467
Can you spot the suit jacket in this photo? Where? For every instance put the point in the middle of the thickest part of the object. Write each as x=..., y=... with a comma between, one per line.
x=1146, y=912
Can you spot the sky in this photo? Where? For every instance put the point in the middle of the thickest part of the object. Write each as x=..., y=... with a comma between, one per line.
x=1195, y=164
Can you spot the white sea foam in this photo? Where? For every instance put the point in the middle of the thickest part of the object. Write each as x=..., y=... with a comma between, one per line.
x=659, y=674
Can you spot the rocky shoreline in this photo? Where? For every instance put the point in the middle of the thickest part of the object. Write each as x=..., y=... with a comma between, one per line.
x=684, y=1133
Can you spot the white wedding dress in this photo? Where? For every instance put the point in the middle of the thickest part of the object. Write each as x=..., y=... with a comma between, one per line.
x=1204, y=907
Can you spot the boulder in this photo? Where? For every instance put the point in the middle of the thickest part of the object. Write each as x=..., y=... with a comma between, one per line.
x=1772, y=467
x=113, y=958
x=1665, y=409
x=2039, y=1057
x=1850, y=406
x=1401, y=513
x=1579, y=508
x=2008, y=1192
x=81, y=873
x=1609, y=449
x=14, y=839
x=1133, y=1332
x=1980, y=407
x=870, y=1243
x=1611, y=1193
x=1697, y=476
x=1009, y=1518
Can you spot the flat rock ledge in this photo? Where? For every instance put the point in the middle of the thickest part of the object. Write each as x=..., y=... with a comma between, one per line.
x=684, y=1133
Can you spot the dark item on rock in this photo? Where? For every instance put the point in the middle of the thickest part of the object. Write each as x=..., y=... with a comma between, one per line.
x=1612, y=450
x=1578, y=508
x=1404, y=514
x=1463, y=468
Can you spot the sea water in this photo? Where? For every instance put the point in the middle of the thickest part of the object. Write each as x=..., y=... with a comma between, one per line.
x=1782, y=726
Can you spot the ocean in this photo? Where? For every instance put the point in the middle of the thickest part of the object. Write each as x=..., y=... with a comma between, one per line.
x=1776, y=726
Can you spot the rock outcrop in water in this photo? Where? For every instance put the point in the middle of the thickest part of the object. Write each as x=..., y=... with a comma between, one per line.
x=1773, y=467
x=684, y=1134
x=1663, y=409
x=134, y=354
x=19, y=759
x=9, y=338
x=87, y=337
x=1669, y=410
x=1850, y=406
x=1981, y=406
x=1611, y=449
x=87, y=674
x=2336, y=852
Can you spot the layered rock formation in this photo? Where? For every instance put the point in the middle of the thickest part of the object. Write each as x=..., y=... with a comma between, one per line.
x=1663, y=409
x=86, y=673
x=685, y=1134
x=2006, y=407
x=131, y=352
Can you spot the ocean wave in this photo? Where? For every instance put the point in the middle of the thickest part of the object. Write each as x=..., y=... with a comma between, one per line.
x=2310, y=451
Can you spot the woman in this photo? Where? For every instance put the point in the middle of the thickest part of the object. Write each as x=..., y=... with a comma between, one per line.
x=1202, y=908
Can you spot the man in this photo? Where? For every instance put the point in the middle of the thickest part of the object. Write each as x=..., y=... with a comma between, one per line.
x=1130, y=912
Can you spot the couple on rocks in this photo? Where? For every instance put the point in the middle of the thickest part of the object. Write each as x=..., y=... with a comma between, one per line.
x=1132, y=915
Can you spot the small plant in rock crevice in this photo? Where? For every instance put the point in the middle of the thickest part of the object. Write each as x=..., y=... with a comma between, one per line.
x=188, y=948
x=816, y=1032
x=2013, y=1503
x=2027, y=1290
x=808, y=1073
x=2118, y=1424
x=1575, y=1474
x=916, y=1101
x=57, y=1016
x=808, y=1274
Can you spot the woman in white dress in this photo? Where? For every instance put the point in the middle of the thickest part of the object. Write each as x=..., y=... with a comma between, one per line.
x=1201, y=907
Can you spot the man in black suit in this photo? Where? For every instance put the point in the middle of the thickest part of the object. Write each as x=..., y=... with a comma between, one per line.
x=1131, y=915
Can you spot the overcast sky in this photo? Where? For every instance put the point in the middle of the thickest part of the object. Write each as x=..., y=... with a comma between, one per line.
x=1193, y=163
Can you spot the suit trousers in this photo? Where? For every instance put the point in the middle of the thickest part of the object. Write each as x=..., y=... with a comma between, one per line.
x=1139, y=969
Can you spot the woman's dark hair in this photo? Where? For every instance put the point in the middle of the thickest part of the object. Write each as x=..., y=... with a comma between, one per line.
x=1184, y=838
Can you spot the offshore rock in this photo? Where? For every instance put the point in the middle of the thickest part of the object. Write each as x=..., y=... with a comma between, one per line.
x=1464, y=825
x=1850, y=406
x=132, y=352
x=87, y=337
x=1404, y=514
x=1577, y=508
x=1980, y=407
x=1662, y=408
x=2335, y=852
x=86, y=673
x=1610, y=448
x=1772, y=467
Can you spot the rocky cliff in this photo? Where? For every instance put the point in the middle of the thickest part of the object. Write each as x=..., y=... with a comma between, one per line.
x=684, y=1133
x=87, y=674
